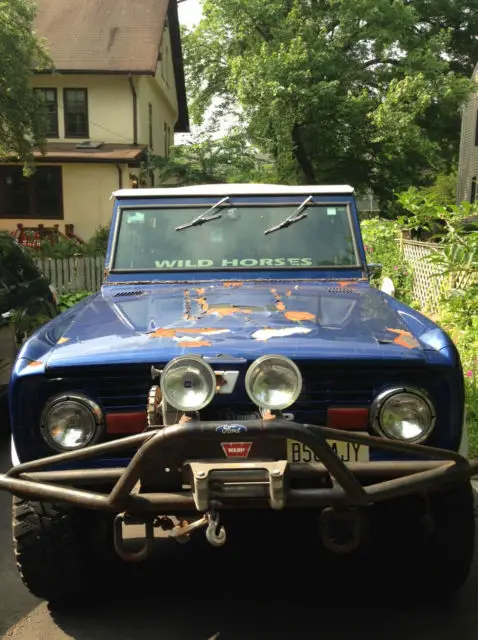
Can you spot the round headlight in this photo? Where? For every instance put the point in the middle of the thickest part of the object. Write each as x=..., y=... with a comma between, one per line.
x=403, y=414
x=71, y=421
x=273, y=382
x=188, y=383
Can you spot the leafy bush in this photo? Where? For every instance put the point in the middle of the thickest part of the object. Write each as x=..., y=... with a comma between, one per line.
x=457, y=259
x=98, y=242
x=69, y=248
x=68, y=300
x=381, y=246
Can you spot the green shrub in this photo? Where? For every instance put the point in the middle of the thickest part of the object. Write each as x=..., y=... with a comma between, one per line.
x=381, y=246
x=457, y=259
x=98, y=242
x=68, y=300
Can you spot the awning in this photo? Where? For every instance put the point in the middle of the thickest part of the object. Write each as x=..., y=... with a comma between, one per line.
x=62, y=152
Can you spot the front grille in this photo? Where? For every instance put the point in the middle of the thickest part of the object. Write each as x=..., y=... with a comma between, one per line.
x=324, y=385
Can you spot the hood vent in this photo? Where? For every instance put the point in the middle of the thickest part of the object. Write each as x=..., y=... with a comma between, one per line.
x=132, y=293
x=342, y=290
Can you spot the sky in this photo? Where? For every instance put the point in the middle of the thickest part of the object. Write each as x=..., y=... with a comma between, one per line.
x=189, y=12
x=189, y=15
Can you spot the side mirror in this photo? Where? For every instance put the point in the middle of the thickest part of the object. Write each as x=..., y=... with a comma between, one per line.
x=375, y=270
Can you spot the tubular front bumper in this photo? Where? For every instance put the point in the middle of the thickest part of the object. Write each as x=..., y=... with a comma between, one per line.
x=221, y=484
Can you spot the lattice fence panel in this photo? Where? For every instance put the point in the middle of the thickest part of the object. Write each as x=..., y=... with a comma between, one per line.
x=428, y=287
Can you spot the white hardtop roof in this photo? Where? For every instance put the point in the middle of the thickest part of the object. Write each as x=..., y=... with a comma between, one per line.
x=235, y=190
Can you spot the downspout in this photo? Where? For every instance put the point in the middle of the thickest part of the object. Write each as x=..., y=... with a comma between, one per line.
x=120, y=176
x=135, y=109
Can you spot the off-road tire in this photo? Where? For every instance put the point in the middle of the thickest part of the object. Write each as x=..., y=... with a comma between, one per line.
x=61, y=552
x=428, y=546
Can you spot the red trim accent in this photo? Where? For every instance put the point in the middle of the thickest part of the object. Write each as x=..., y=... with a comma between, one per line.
x=236, y=449
x=348, y=418
x=125, y=423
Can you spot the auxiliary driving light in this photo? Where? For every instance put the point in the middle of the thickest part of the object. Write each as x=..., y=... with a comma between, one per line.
x=188, y=383
x=71, y=421
x=405, y=414
x=273, y=382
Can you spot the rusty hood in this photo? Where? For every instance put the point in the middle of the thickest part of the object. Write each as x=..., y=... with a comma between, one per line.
x=156, y=322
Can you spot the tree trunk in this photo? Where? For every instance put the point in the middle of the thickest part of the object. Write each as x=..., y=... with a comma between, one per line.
x=301, y=156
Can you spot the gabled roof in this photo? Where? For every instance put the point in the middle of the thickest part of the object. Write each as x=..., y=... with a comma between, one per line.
x=113, y=37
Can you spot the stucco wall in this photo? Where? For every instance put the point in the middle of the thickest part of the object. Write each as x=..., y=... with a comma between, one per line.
x=110, y=105
x=87, y=190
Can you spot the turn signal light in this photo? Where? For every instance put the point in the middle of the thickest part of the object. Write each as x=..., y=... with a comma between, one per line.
x=348, y=418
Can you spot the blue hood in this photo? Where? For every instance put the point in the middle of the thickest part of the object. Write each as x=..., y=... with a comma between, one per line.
x=305, y=320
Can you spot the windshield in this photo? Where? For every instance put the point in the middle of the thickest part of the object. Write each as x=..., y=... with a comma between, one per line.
x=148, y=238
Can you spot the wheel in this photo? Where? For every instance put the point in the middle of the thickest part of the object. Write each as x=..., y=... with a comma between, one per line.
x=62, y=553
x=427, y=546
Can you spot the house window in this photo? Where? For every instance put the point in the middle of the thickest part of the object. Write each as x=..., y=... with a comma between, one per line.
x=40, y=196
x=473, y=190
x=166, y=141
x=150, y=123
x=476, y=130
x=76, y=113
x=49, y=98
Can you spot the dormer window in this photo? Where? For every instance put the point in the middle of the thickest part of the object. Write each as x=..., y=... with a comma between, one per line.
x=76, y=113
x=49, y=98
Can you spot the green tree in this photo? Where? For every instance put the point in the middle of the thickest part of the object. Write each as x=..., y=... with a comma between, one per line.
x=22, y=120
x=358, y=91
x=206, y=159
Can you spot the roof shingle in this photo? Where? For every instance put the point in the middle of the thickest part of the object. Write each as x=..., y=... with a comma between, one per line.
x=102, y=36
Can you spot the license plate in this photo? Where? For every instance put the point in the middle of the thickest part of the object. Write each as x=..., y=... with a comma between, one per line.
x=347, y=452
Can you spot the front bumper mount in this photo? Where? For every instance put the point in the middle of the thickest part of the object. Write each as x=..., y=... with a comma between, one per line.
x=222, y=484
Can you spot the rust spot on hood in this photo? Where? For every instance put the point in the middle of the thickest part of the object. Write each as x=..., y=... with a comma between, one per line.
x=203, y=303
x=192, y=344
x=404, y=339
x=294, y=316
x=200, y=292
x=227, y=311
x=36, y=363
x=235, y=285
x=171, y=333
x=299, y=316
x=187, y=305
x=163, y=333
x=63, y=340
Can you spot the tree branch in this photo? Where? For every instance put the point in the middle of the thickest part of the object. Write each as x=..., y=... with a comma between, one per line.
x=374, y=61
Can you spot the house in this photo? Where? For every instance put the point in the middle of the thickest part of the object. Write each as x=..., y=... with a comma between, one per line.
x=468, y=162
x=117, y=90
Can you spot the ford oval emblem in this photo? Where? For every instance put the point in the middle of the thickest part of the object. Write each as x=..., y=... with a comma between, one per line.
x=231, y=429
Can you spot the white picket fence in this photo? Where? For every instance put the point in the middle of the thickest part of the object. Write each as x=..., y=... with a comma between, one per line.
x=73, y=274
x=86, y=274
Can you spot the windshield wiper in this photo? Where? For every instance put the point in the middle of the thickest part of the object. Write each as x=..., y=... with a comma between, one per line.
x=295, y=216
x=204, y=217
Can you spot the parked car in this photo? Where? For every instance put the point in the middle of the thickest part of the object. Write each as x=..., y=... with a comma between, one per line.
x=238, y=362
x=27, y=301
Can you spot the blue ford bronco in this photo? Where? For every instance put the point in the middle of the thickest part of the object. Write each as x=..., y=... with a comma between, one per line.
x=237, y=364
